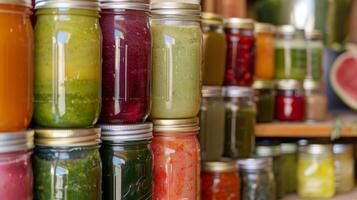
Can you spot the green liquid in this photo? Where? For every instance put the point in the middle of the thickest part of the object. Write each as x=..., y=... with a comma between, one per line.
x=290, y=63
x=265, y=106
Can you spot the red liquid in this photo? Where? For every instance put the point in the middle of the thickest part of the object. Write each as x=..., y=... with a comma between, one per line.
x=240, y=60
x=126, y=66
x=290, y=107
x=220, y=186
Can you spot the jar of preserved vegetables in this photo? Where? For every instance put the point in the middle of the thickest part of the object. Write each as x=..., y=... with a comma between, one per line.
x=240, y=122
x=220, y=180
x=289, y=167
x=68, y=59
x=177, y=60
x=265, y=100
x=290, y=53
x=316, y=101
x=344, y=167
x=16, y=65
x=316, y=175
x=67, y=164
x=177, y=159
x=240, y=67
x=214, y=49
x=315, y=50
x=257, y=179
x=15, y=165
x=264, y=55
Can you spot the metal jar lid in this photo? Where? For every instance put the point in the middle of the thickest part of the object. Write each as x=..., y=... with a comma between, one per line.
x=16, y=141
x=212, y=91
x=313, y=35
x=310, y=84
x=26, y=3
x=253, y=164
x=223, y=166
x=267, y=151
x=126, y=133
x=316, y=149
x=285, y=30
x=176, y=125
x=80, y=4
x=241, y=23
x=176, y=9
x=263, y=84
x=67, y=137
x=212, y=18
x=342, y=148
x=288, y=148
x=288, y=84
x=237, y=91
x=264, y=28
x=125, y=4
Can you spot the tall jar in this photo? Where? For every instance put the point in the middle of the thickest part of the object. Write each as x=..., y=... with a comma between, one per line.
x=344, y=167
x=16, y=65
x=316, y=175
x=177, y=159
x=214, y=49
x=289, y=167
x=240, y=67
x=16, y=180
x=265, y=100
x=257, y=179
x=177, y=60
x=127, y=161
x=220, y=180
x=240, y=122
x=316, y=101
x=212, y=116
x=67, y=64
x=67, y=164
x=265, y=51
x=290, y=53
x=126, y=61
x=315, y=50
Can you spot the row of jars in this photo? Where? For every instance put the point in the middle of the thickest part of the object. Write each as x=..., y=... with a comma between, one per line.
x=236, y=51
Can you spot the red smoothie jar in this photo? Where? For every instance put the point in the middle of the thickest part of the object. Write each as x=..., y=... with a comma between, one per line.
x=126, y=61
x=15, y=165
x=290, y=101
x=240, y=61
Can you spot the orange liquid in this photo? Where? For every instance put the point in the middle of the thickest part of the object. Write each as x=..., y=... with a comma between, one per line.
x=264, y=63
x=16, y=68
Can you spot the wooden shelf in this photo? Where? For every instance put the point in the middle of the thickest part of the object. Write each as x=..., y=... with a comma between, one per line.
x=348, y=196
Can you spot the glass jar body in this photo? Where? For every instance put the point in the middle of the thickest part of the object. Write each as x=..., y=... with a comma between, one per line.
x=316, y=105
x=220, y=185
x=315, y=50
x=289, y=172
x=265, y=100
x=257, y=184
x=344, y=172
x=265, y=55
x=290, y=105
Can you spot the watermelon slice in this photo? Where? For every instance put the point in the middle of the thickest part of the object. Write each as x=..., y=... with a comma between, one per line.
x=343, y=78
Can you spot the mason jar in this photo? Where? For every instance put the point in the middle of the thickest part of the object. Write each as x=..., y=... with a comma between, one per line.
x=265, y=51
x=315, y=51
x=289, y=159
x=344, y=167
x=177, y=60
x=265, y=100
x=316, y=101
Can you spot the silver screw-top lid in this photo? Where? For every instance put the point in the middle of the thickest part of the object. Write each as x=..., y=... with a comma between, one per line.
x=254, y=164
x=289, y=84
x=125, y=4
x=310, y=84
x=240, y=23
x=126, y=133
x=316, y=149
x=176, y=9
x=212, y=91
x=79, y=4
x=288, y=148
x=16, y=141
x=237, y=91
x=342, y=148
x=26, y=3
x=267, y=150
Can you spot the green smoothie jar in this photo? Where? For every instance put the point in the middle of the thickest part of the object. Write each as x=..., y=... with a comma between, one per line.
x=67, y=64
x=177, y=49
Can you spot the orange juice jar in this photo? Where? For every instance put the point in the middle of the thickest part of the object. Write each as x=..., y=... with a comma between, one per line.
x=264, y=59
x=16, y=65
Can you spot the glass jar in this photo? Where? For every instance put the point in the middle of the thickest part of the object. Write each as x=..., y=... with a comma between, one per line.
x=220, y=180
x=289, y=167
x=290, y=53
x=177, y=159
x=214, y=49
x=344, y=167
x=126, y=61
x=127, y=161
x=315, y=50
x=15, y=165
x=316, y=175
x=240, y=122
x=16, y=65
x=265, y=100
x=316, y=101
x=67, y=164
x=264, y=57
x=257, y=179
x=289, y=101
x=212, y=116
x=240, y=60
x=67, y=64
x=177, y=60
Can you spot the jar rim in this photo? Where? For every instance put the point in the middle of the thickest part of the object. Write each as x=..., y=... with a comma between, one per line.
x=264, y=28
x=310, y=84
x=176, y=125
x=288, y=84
x=219, y=166
x=268, y=150
x=212, y=91
x=313, y=35
x=171, y=9
x=126, y=133
x=26, y=3
x=16, y=141
x=79, y=4
x=143, y=5
x=242, y=23
x=342, y=148
x=238, y=91
x=316, y=149
x=255, y=164
x=288, y=148
x=211, y=18
x=263, y=84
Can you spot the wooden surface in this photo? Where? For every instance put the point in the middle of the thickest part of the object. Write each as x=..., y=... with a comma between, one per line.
x=347, y=196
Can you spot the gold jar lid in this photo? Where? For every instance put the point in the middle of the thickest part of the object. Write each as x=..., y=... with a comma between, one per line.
x=176, y=125
x=65, y=4
x=16, y=141
x=212, y=18
x=264, y=28
x=316, y=149
x=26, y=3
x=222, y=166
x=176, y=9
x=263, y=84
x=241, y=23
x=268, y=150
x=125, y=4
x=67, y=137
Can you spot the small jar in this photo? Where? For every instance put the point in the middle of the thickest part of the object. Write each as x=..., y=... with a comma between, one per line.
x=316, y=175
x=289, y=101
x=220, y=180
x=240, y=67
x=212, y=116
x=289, y=167
x=344, y=167
x=240, y=122
x=127, y=161
x=257, y=179
x=265, y=51
x=315, y=50
x=177, y=159
x=126, y=61
x=67, y=164
x=214, y=49
x=15, y=165
x=177, y=60
x=265, y=100
x=316, y=101
x=290, y=53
